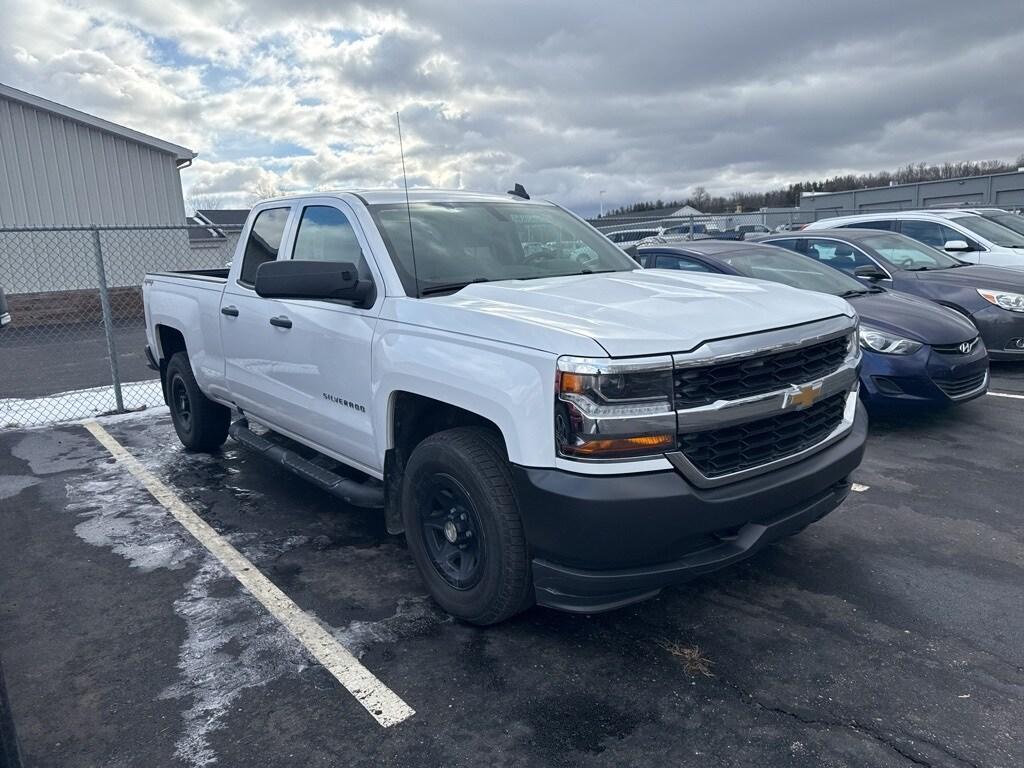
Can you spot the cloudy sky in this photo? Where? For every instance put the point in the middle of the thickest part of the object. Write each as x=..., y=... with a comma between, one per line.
x=642, y=99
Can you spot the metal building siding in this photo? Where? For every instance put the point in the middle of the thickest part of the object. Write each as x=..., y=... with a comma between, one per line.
x=55, y=171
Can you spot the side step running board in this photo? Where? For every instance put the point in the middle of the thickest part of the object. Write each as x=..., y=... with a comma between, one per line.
x=356, y=494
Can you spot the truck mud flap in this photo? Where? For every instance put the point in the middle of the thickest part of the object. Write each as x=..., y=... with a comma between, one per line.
x=352, y=492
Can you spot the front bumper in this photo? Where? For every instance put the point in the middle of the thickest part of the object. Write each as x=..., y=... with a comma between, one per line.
x=599, y=542
x=1001, y=330
x=925, y=378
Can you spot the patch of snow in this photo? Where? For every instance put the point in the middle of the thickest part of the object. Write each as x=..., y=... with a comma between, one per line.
x=12, y=485
x=77, y=404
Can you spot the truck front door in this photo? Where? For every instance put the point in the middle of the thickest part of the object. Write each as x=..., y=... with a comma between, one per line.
x=320, y=370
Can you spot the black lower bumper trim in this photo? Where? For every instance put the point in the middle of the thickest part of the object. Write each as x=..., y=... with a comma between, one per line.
x=600, y=541
x=579, y=591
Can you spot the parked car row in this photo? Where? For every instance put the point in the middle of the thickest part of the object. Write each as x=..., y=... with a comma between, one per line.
x=939, y=293
x=979, y=235
x=914, y=352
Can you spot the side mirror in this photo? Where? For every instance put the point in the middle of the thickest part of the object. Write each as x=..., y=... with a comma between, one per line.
x=956, y=245
x=297, y=279
x=870, y=272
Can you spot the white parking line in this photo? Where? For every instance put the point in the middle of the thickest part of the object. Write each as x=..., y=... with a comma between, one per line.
x=1006, y=394
x=379, y=700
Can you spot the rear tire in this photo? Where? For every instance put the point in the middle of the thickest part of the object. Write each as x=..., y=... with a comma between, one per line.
x=201, y=424
x=463, y=527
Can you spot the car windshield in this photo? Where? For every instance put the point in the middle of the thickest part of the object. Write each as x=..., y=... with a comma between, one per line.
x=781, y=266
x=460, y=243
x=902, y=252
x=1005, y=219
x=991, y=231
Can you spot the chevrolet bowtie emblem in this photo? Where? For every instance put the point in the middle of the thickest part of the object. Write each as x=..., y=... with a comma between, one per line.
x=804, y=396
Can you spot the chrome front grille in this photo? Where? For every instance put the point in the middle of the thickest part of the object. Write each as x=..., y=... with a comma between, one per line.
x=718, y=452
x=742, y=413
x=755, y=375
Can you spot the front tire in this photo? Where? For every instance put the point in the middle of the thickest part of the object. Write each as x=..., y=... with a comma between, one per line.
x=463, y=527
x=201, y=424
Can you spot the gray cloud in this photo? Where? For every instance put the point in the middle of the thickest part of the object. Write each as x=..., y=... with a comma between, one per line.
x=642, y=100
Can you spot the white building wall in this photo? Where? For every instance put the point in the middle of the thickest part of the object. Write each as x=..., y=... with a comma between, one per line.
x=59, y=172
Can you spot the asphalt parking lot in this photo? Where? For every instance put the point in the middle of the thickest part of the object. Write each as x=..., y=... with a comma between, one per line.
x=891, y=633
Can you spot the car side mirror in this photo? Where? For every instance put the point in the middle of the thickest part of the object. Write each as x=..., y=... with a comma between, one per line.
x=299, y=279
x=870, y=272
x=956, y=245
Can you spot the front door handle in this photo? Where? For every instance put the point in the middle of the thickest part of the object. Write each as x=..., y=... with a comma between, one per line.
x=281, y=321
x=229, y=311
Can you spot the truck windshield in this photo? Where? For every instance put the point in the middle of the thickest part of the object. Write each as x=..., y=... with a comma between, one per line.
x=460, y=243
x=780, y=266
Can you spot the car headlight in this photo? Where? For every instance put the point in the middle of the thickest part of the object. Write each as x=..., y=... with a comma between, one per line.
x=1011, y=301
x=886, y=343
x=606, y=409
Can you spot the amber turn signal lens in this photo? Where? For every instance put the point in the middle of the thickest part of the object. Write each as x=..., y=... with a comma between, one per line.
x=622, y=445
x=574, y=382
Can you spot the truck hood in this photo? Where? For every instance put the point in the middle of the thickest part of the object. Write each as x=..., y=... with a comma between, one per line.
x=644, y=312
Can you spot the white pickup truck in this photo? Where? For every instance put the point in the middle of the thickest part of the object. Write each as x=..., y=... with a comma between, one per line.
x=544, y=420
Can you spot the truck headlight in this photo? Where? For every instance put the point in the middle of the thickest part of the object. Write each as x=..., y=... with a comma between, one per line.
x=886, y=343
x=1011, y=301
x=607, y=409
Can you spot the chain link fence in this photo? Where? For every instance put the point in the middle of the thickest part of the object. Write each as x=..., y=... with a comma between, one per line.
x=74, y=346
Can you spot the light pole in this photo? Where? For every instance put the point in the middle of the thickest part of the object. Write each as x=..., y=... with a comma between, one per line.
x=600, y=196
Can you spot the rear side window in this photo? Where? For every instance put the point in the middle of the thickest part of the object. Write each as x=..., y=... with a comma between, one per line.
x=264, y=242
x=680, y=262
x=886, y=224
x=788, y=244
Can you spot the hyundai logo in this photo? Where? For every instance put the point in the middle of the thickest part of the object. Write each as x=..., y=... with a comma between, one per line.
x=966, y=347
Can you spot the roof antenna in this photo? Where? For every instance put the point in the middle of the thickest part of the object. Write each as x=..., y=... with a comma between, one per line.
x=408, y=209
x=518, y=191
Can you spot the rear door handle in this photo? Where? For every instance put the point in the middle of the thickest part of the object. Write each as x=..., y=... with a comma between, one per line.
x=281, y=321
x=229, y=311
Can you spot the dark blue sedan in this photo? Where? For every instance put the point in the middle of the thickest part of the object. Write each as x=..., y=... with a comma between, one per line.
x=915, y=352
x=992, y=297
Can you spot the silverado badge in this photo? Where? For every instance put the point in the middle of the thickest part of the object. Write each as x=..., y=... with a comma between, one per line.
x=803, y=396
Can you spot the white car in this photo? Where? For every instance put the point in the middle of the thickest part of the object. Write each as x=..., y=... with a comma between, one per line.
x=624, y=238
x=544, y=426
x=961, y=233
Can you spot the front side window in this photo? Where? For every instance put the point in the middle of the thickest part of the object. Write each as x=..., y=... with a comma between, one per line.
x=458, y=243
x=929, y=232
x=908, y=254
x=264, y=242
x=839, y=255
x=325, y=234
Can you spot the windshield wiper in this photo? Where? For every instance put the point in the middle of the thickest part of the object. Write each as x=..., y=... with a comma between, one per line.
x=851, y=292
x=432, y=290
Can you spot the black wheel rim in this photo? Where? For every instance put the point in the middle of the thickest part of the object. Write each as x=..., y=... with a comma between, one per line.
x=451, y=530
x=181, y=403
